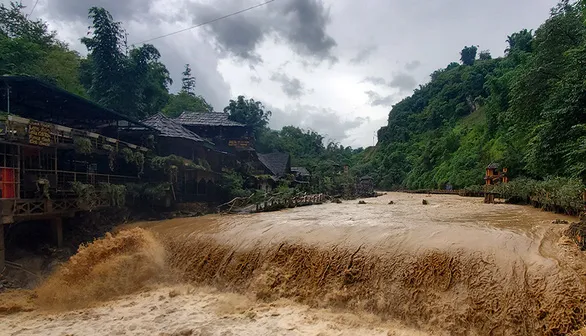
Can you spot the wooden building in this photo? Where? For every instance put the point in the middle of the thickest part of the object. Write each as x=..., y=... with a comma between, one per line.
x=302, y=177
x=493, y=177
x=276, y=165
x=49, y=140
x=226, y=134
x=197, y=182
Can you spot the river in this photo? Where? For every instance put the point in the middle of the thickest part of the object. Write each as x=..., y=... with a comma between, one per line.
x=455, y=266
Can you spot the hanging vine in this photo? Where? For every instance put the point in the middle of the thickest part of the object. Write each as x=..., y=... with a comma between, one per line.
x=111, y=155
x=83, y=145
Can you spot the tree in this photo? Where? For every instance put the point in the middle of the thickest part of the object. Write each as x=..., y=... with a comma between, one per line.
x=132, y=82
x=188, y=81
x=485, y=55
x=468, y=55
x=28, y=48
x=249, y=112
x=182, y=101
x=519, y=42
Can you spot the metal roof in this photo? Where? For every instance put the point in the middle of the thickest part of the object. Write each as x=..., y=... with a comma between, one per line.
x=30, y=97
x=207, y=119
x=171, y=129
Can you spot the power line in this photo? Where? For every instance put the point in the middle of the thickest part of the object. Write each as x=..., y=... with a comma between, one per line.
x=34, y=6
x=208, y=22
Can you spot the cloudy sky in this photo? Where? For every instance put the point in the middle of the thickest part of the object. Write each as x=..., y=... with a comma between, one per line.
x=334, y=66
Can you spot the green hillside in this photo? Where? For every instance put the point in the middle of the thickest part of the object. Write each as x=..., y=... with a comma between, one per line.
x=525, y=110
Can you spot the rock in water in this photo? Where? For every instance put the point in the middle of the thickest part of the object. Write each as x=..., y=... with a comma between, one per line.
x=424, y=202
x=361, y=202
x=391, y=202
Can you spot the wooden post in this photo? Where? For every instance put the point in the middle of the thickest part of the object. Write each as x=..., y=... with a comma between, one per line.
x=2, y=249
x=57, y=224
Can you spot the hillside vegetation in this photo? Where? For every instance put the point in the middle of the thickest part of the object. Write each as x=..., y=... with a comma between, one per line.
x=525, y=110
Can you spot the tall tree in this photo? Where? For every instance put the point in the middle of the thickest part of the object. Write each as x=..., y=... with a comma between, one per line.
x=28, y=48
x=250, y=112
x=468, y=55
x=132, y=82
x=188, y=81
x=484, y=55
x=520, y=41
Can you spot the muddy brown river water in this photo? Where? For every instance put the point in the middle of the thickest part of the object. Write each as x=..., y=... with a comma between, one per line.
x=453, y=267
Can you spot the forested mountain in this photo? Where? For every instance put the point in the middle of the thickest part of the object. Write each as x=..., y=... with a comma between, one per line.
x=526, y=110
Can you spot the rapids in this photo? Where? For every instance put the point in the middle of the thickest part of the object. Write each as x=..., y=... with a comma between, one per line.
x=455, y=266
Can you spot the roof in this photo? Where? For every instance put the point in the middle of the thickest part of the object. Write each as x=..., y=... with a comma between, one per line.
x=493, y=165
x=302, y=171
x=169, y=128
x=35, y=99
x=275, y=162
x=207, y=119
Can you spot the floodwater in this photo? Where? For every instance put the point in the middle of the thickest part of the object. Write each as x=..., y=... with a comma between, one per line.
x=453, y=267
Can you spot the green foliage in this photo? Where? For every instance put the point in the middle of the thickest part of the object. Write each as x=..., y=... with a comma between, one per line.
x=83, y=145
x=133, y=157
x=133, y=82
x=561, y=194
x=249, y=112
x=524, y=110
x=232, y=185
x=183, y=101
x=149, y=193
x=485, y=55
x=468, y=55
x=28, y=48
x=85, y=193
x=188, y=81
x=115, y=194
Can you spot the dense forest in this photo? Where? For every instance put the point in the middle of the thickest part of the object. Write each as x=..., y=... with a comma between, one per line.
x=525, y=110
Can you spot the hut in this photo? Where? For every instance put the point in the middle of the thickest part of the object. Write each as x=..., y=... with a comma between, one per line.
x=493, y=177
x=302, y=177
x=276, y=165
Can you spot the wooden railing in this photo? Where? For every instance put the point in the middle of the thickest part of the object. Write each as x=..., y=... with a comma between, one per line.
x=20, y=209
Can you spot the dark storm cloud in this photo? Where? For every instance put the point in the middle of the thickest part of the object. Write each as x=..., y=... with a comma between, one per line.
x=412, y=65
x=291, y=86
x=363, y=55
x=305, y=27
x=403, y=82
x=237, y=35
x=323, y=120
x=78, y=9
x=301, y=23
x=375, y=99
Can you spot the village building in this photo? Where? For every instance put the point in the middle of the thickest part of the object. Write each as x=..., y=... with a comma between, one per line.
x=226, y=134
x=302, y=177
x=198, y=180
x=50, y=141
x=274, y=167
